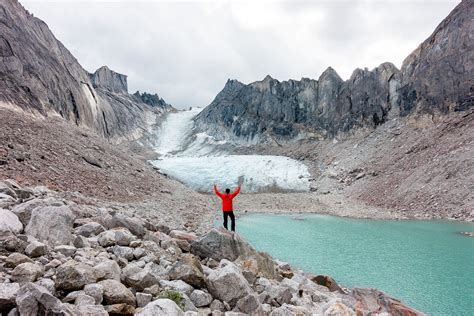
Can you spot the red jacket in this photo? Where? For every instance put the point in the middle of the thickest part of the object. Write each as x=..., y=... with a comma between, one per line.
x=227, y=199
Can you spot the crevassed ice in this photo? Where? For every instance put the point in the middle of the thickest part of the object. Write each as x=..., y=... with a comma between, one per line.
x=204, y=161
x=174, y=131
x=255, y=173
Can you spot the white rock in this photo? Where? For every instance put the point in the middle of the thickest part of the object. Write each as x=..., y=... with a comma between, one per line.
x=9, y=223
x=51, y=224
x=228, y=284
x=162, y=307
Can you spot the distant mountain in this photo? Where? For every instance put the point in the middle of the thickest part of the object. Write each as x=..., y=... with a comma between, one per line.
x=39, y=75
x=437, y=76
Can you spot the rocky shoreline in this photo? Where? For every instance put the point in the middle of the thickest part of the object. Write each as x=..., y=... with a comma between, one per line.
x=58, y=257
x=326, y=204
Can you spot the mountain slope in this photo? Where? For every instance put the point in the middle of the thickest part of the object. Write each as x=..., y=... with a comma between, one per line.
x=38, y=74
x=435, y=77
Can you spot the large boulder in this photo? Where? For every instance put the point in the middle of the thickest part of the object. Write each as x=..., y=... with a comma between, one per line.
x=51, y=224
x=33, y=299
x=108, y=269
x=36, y=249
x=374, y=301
x=90, y=229
x=120, y=236
x=96, y=291
x=220, y=244
x=116, y=293
x=9, y=223
x=163, y=307
x=135, y=225
x=177, y=285
x=183, y=235
x=73, y=275
x=138, y=278
x=228, y=284
x=27, y=272
x=24, y=210
x=15, y=259
x=200, y=298
x=188, y=268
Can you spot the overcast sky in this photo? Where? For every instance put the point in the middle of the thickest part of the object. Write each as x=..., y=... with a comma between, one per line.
x=185, y=51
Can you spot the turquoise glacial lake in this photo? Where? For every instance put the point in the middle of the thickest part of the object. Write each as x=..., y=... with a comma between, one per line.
x=426, y=264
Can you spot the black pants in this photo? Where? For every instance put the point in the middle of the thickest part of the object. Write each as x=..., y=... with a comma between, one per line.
x=232, y=219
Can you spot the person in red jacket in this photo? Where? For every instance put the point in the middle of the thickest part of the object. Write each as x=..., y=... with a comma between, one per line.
x=227, y=207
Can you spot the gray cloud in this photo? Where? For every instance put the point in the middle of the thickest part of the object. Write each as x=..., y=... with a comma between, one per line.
x=185, y=51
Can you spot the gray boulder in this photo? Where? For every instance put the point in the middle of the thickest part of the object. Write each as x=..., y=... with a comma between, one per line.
x=33, y=299
x=372, y=300
x=228, y=284
x=177, y=285
x=84, y=299
x=120, y=236
x=73, y=275
x=164, y=307
x=81, y=242
x=221, y=244
x=248, y=304
x=66, y=250
x=89, y=310
x=123, y=252
x=36, y=249
x=9, y=223
x=90, y=229
x=6, y=200
x=51, y=224
x=116, y=293
x=200, y=298
x=143, y=299
x=24, y=210
x=135, y=225
x=138, y=278
x=108, y=269
x=27, y=272
x=15, y=259
x=96, y=291
x=188, y=268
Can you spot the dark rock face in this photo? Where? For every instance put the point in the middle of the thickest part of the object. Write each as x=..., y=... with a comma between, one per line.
x=38, y=74
x=152, y=100
x=436, y=76
x=281, y=109
x=439, y=74
x=109, y=80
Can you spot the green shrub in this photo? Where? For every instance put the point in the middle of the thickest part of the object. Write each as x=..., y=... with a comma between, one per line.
x=175, y=296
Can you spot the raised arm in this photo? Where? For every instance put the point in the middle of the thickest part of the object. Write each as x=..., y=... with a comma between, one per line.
x=217, y=191
x=236, y=192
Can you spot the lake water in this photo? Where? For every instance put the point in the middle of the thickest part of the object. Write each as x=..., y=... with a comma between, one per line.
x=426, y=264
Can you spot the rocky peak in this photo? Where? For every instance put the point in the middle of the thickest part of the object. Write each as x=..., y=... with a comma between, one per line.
x=448, y=54
x=233, y=84
x=330, y=75
x=109, y=80
x=436, y=76
x=153, y=100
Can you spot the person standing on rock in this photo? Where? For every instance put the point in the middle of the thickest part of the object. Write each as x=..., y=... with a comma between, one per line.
x=227, y=207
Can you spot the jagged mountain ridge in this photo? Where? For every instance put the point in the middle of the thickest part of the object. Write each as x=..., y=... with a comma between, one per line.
x=437, y=76
x=39, y=75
